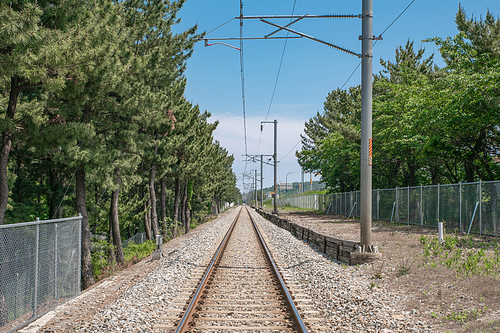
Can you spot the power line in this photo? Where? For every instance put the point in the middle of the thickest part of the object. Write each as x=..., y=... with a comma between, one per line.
x=242, y=68
x=277, y=76
x=220, y=26
x=394, y=21
x=290, y=150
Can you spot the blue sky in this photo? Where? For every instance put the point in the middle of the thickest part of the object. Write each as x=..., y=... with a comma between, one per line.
x=309, y=71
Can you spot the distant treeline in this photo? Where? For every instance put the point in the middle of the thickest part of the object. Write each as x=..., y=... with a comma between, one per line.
x=93, y=120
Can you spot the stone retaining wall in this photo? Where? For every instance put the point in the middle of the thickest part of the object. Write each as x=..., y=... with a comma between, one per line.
x=339, y=249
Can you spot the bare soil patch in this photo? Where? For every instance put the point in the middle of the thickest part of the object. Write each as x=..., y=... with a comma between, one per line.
x=448, y=302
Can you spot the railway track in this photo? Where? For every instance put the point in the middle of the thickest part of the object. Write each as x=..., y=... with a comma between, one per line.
x=241, y=289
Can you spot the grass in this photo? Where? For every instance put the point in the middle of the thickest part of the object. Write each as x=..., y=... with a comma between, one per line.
x=461, y=255
x=101, y=265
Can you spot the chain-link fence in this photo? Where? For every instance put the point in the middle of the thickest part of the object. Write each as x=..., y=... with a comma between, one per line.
x=138, y=238
x=39, y=268
x=467, y=207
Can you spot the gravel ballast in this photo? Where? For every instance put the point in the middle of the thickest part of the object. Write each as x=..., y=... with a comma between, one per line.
x=341, y=294
x=341, y=299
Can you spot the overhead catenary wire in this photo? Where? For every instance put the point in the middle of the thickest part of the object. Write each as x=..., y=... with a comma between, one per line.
x=383, y=32
x=220, y=26
x=242, y=71
x=277, y=75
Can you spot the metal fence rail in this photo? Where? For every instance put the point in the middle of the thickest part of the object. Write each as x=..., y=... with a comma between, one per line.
x=467, y=207
x=39, y=268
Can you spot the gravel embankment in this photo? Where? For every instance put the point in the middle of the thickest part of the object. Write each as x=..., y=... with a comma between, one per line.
x=145, y=304
x=340, y=293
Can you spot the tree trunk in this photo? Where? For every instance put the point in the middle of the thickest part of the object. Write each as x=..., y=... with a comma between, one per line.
x=149, y=216
x=184, y=209
x=411, y=174
x=188, y=218
x=6, y=145
x=469, y=172
x=111, y=249
x=147, y=224
x=115, y=222
x=163, y=210
x=53, y=202
x=152, y=196
x=19, y=190
x=81, y=207
x=176, y=200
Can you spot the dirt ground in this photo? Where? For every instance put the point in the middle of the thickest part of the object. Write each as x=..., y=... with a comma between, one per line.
x=450, y=303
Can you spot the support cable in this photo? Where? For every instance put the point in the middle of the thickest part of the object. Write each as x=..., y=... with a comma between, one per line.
x=277, y=76
x=290, y=150
x=394, y=21
x=242, y=69
x=71, y=181
x=220, y=26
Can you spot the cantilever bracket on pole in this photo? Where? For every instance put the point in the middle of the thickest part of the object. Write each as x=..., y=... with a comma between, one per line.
x=289, y=24
x=312, y=38
x=297, y=18
x=256, y=159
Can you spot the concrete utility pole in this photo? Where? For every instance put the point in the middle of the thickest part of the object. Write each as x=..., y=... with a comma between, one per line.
x=275, y=157
x=256, y=196
x=302, y=180
x=261, y=181
x=366, y=125
x=366, y=252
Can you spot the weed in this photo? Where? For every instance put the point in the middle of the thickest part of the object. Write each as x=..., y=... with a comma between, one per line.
x=372, y=285
x=434, y=314
x=404, y=268
x=470, y=265
x=457, y=316
x=377, y=271
x=463, y=316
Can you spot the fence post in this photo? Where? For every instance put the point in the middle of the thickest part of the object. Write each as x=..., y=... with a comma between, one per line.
x=55, y=263
x=460, y=203
x=408, y=203
x=438, y=204
x=378, y=204
x=397, y=205
x=79, y=263
x=37, y=243
x=421, y=206
x=480, y=207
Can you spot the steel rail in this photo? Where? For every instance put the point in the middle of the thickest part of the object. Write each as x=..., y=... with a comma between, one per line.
x=299, y=323
x=183, y=325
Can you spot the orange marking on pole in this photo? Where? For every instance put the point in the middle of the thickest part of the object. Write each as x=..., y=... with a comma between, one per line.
x=370, y=151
